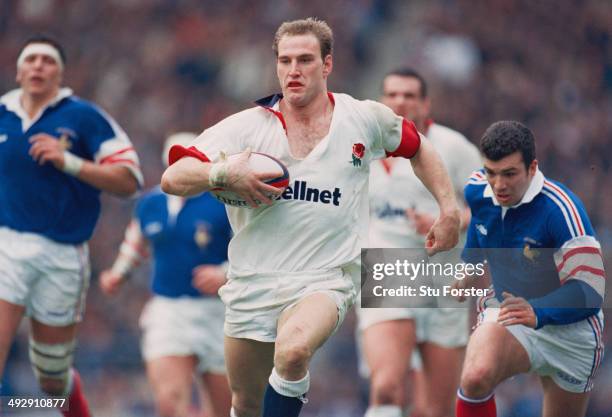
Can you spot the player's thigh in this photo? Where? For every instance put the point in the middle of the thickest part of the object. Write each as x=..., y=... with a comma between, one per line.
x=388, y=345
x=171, y=375
x=309, y=323
x=560, y=403
x=58, y=297
x=495, y=354
x=217, y=392
x=11, y=317
x=249, y=364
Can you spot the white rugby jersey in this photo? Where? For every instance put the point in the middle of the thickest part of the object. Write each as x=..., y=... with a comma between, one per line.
x=395, y=188
x=321, y=220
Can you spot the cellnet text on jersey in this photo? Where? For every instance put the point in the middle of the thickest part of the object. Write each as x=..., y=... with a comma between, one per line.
x=301, y=191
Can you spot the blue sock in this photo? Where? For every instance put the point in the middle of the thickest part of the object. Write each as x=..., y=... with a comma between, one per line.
x=277, y=405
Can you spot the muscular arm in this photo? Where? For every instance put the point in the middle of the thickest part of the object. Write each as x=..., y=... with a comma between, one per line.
x=428, y=167
x=186, y=177
x=190, y=176
x=116, y=179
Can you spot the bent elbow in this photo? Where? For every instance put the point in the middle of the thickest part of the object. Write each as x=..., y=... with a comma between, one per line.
x=127, y=188
x=169, y=184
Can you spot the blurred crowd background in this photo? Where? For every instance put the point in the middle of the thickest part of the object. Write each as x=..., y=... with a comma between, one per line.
x=160, y=66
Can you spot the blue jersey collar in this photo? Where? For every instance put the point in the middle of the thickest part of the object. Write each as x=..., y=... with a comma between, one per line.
x=12, y=102
x=535, y=187
x=269, y=102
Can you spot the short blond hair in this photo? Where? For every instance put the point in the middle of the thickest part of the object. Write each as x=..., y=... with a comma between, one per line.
x=319, y=28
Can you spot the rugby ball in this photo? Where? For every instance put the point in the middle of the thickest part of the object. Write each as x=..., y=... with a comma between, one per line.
x=259, y=163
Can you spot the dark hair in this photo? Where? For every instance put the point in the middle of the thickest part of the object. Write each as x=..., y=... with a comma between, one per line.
x=507, y=137
x=409, y=72
x=319, y=28
x=44, y=38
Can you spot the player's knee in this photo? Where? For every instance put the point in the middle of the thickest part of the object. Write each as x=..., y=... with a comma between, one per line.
x=291, y=357
x=246, y=406
x=51, y=364
x=477, y=381
x=172, y=400
x=386, y=388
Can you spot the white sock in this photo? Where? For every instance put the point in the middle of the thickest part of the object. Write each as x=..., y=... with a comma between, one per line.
x=232, y=412
x=384, y=411
x=467, y=399
x=289, y=388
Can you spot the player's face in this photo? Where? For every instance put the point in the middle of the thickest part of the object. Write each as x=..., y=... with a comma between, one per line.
x=509, y=178
x=403, y=96
x=301, y=70
x=39, y=75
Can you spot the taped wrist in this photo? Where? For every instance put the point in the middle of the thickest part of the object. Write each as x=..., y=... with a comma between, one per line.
x=72, y=164
x=217, y=176
x=131, y=252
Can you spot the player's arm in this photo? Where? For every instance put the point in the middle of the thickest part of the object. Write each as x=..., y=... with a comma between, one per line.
x=209, y=278
x=423, y=221
x=580, y=267
x=187, y=177
x=193, y=174
x=133, y=250
x=581, y=272
x=115, y=178
x=429, y=168
x=399, y=138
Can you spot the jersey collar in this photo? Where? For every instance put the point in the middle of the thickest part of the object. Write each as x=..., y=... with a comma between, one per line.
x=535, y=186
x=12, y=101
x=272, y=104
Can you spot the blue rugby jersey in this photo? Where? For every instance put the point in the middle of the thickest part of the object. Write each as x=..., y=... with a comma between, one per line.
x=42, y=199
x=197, y=234
x=543, y=249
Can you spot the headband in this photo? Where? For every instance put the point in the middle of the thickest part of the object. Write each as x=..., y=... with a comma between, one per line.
x=42, y=49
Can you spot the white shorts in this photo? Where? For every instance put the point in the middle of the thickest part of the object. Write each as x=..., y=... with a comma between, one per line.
x=446, y=327
x=182, y=327
x=255, y=303
x=50, y=279
x=570, y=354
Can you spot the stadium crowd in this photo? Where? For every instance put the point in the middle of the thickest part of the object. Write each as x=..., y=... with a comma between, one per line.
x=161, y=66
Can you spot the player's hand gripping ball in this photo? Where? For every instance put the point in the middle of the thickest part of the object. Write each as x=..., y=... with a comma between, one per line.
x=259, y=163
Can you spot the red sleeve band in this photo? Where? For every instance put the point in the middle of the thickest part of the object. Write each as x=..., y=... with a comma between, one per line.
x=409, y=143
x=177, y=152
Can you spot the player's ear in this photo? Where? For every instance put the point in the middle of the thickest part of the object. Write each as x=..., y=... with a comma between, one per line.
x=533, y=167
x=328, y=65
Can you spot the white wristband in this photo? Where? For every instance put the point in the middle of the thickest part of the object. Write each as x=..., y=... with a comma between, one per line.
x=72, y=164
x=217, y=176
